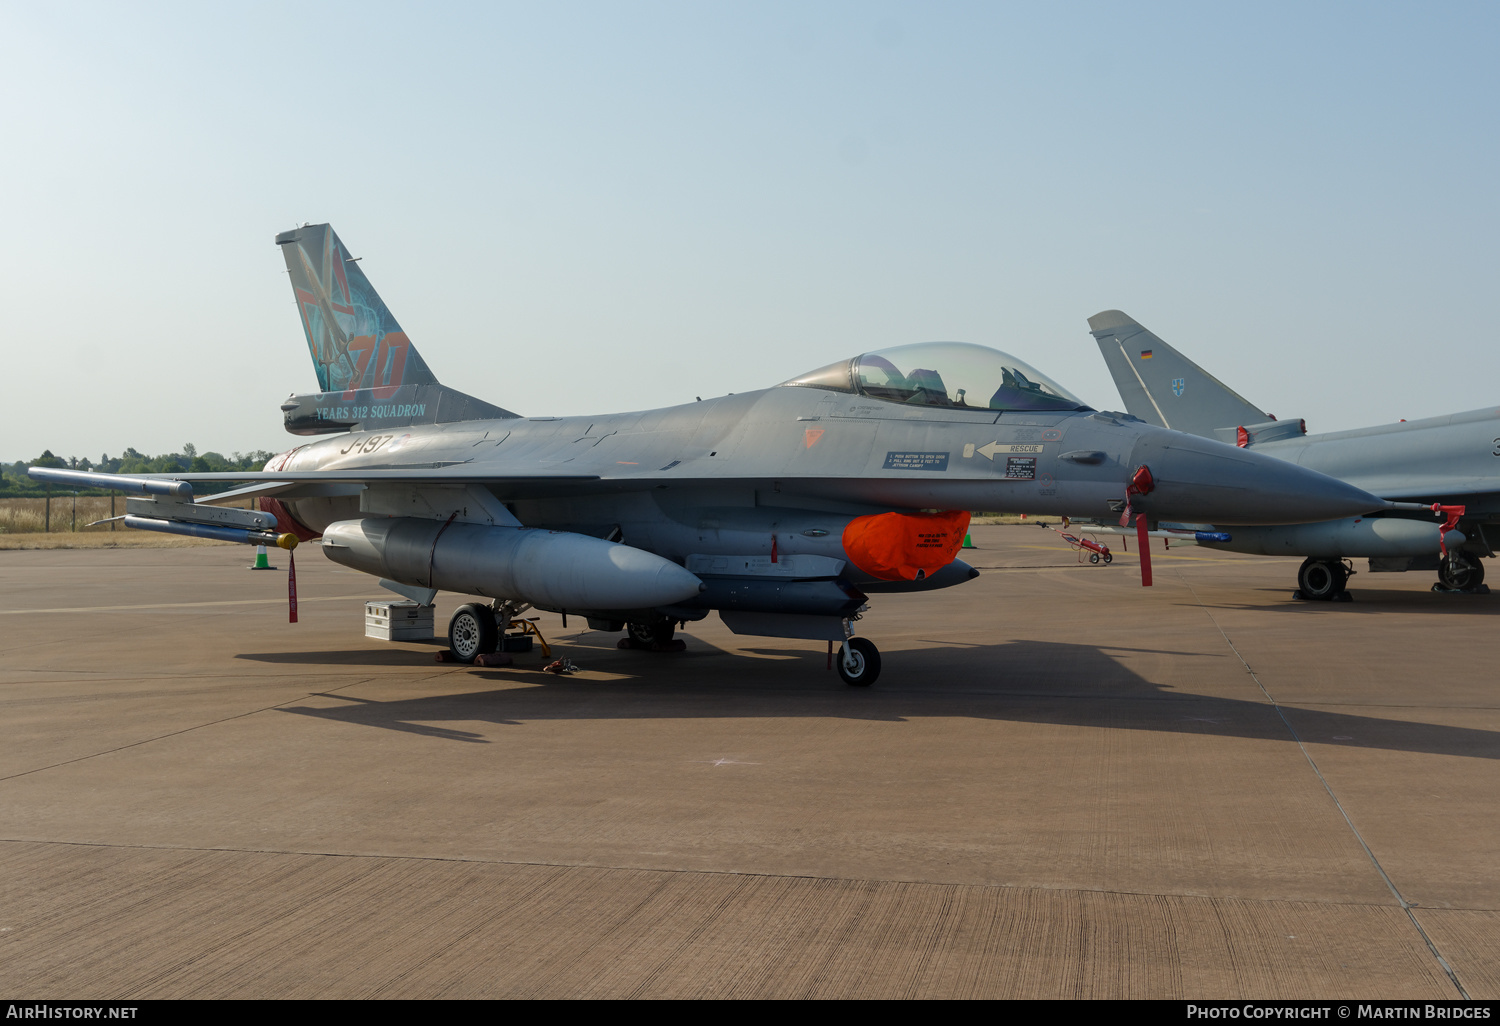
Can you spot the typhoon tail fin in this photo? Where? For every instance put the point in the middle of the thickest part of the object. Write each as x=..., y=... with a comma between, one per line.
x=369, y=373
x=1161, y=386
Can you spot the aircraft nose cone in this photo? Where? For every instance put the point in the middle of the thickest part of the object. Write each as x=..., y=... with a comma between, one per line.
x=1204, y=481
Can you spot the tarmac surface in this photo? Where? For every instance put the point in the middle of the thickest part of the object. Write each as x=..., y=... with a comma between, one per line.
x=1063, y=785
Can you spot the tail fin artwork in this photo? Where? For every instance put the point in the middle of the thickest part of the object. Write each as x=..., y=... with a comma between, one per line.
x=369, y=373
x=1163, y=387
x=354, y=340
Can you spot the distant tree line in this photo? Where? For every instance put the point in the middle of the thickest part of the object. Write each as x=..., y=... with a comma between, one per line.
x=14, y=481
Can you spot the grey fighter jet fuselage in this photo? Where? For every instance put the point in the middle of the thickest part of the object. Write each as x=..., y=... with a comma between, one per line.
x=1447, y=461
x=819, y=447
x=782, y=509
x=767, y=484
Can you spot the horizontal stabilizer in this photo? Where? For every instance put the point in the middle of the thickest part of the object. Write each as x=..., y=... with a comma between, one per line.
x=372, y=409
x=1163, y=387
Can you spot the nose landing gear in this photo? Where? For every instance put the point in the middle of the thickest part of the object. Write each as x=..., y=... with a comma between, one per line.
x=859, y=662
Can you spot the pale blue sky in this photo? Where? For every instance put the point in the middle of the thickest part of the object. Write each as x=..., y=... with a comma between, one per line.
x=591, y=207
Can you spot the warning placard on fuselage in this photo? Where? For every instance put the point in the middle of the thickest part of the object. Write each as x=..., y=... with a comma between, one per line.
x=1020, y=468
x=917, y=461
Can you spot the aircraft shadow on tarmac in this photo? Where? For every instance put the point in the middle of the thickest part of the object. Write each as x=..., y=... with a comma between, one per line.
x=353, y=657
x=1019, y=682
x=1384, y=601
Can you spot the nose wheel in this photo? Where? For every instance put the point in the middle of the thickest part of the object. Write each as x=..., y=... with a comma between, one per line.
x=859, y=662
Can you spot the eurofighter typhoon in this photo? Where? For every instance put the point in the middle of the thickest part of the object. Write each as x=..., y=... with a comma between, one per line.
x=1444, y=472
x=786, y=510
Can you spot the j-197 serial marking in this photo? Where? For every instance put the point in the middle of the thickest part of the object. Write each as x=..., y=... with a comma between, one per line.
x=364, y=445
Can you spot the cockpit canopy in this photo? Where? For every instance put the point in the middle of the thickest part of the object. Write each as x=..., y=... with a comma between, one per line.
x=955, y=374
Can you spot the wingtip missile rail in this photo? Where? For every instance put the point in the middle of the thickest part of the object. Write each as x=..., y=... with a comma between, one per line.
x=132, y=485
x=166, y=506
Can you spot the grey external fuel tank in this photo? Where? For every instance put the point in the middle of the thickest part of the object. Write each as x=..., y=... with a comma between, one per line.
x=551, y=569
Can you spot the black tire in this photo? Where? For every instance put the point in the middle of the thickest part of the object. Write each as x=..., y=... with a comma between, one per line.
x=1108, y=559
x=866, y=659
x=647, y=634
x=472, y=632
x=1322, y=580
x=1093, y=557
x=1461, y=571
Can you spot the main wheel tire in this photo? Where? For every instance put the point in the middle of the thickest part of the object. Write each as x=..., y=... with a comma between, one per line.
x=647, y=634
x=1460, y=571
x=1321, y=580
x=472, y=632
x=866, y=659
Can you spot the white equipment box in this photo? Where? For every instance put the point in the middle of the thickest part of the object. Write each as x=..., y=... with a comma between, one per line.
x=399, y=620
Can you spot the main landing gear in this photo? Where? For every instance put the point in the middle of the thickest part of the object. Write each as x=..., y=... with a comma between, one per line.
x=1460, y=571
x=647, y=634
x=652, y=637
x=472, y=632
x=477, y=630
x=1323, y=580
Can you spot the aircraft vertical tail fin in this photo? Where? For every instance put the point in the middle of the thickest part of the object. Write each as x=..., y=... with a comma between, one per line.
x=370, y=376
x=354, y=340
x=1163, y=387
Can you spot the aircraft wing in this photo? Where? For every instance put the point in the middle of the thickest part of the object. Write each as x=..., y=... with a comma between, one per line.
x=295, y=484
x=506, y=483
x=316, y=484
x=444, y=475
x=282, y=488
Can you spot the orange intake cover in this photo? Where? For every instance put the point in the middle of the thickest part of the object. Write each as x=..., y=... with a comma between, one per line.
x=905, y=546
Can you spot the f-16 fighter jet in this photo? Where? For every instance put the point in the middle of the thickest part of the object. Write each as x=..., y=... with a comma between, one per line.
x=1445, y=470
x=784, y=510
